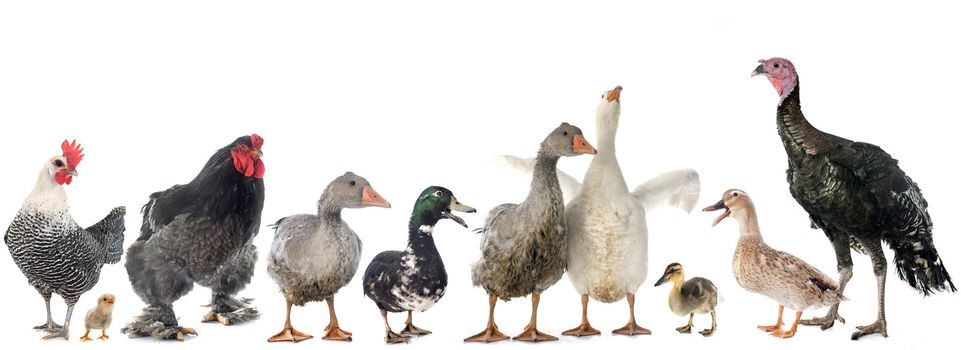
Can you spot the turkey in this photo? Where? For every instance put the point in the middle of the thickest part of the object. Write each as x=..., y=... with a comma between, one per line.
x=200, y=232
x=52, y=250
x=856, y=193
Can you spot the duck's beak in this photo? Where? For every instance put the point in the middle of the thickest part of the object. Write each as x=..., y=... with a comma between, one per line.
x=615, y=95
x=661, y=281
x=758, y=71
x=718, y=206
x=581, y=146
x=370, y=198
x=458, y=206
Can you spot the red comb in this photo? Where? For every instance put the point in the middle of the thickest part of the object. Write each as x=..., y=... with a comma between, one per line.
x=73, y=152
x=256, y=141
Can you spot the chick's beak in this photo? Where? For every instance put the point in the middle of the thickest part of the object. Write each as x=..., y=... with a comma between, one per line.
x=371, y=198
x=758, y=71
x=718, y=206
x=581, y=146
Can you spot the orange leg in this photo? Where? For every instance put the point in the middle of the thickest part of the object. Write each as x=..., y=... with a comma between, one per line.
x=790, y=332
x=585, y=328
x=778, y=324
x=531, y=333
x=86, y=336
x=490, y=334
x=289, y=333
x=631, y=328
x=333, y=329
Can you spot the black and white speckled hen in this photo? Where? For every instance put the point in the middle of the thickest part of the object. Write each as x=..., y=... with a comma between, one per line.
x=200, y=232
x=856, y=193
x=56, y=254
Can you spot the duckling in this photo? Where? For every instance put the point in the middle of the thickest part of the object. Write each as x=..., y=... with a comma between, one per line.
x=758, y=268
x=524, y=246
x=696, y=295
x=313, y=256
x=415, y=279
x=99, y=317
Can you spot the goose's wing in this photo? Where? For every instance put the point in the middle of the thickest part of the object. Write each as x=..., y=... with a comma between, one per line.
x=678, y=188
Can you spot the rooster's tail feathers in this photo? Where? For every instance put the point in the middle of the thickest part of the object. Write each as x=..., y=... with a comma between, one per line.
x=109, y=232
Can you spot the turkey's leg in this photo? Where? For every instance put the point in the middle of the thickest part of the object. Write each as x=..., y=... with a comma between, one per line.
x=490, y=334
x=531, y=333
x=777, y=325
x=585, y=328
x=880, y=272
x=631, y=328
x=842, y=250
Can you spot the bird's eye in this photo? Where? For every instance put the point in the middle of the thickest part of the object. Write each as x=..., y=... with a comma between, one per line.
x=735, y=194
x=437, y=194
x=565, y=133
x=353, y=183
x=777, y=65
x=58, y=163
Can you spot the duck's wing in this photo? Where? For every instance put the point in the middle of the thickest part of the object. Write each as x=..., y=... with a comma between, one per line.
x=678, y=188
x=569, y=185
x=698, y=291
x=806, y=274
x=381, y=274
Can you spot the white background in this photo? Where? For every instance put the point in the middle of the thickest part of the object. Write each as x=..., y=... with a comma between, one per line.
x=414, y=94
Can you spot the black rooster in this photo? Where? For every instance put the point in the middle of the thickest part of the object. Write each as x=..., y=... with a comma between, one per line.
x=200, y=232
x=858, y=195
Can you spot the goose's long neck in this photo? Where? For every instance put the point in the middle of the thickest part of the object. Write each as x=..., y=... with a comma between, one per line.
x=799, y=137
x=606, y=136
x=328, y=211
x=544, y=184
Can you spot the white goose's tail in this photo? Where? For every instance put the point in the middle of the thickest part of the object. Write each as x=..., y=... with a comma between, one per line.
x=678, y=188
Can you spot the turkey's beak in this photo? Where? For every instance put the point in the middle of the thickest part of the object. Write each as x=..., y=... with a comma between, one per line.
x=370, y=198
x=615, y=95
x=661, y=281
x=718, y=206
x=758, y=71
x=72, y=172
x=458, y=206
x=581, y=146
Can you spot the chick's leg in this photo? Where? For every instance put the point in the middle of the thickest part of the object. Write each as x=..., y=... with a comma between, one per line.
x=585, y=328
x=880, y=272
x=224, y=308
x=777, y=325
x=631, y=328
x=103, y=334
x=86, y=336
x=411, y=329
x=842, y=250
x=333, y=329
x=531, y=333
x=289, y=333
x=491, y=333
x=687, y=328
x=50, y=326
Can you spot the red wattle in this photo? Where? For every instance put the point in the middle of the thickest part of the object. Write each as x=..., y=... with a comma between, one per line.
x=62, y=178
x=259, y=169
x=248, y=168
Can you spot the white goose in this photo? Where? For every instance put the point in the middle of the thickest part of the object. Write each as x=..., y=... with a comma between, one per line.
x=607, y=246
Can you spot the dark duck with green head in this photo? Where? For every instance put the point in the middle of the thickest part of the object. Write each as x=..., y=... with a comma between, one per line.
x=413, y=279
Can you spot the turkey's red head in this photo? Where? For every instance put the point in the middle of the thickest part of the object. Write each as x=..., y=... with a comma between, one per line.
x=780, y=72
x=247, y=156
x=66, y=164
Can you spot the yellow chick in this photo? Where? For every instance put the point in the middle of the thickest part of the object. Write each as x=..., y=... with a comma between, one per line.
x=99, y=317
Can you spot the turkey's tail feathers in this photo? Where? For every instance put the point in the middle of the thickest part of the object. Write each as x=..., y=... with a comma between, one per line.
x=109, y=232
x=678, y=188
x=569, y=185
x=918, y=263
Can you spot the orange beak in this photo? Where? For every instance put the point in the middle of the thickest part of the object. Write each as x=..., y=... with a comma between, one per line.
x=370, y=198
x=581, y=146
x=615, y=95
